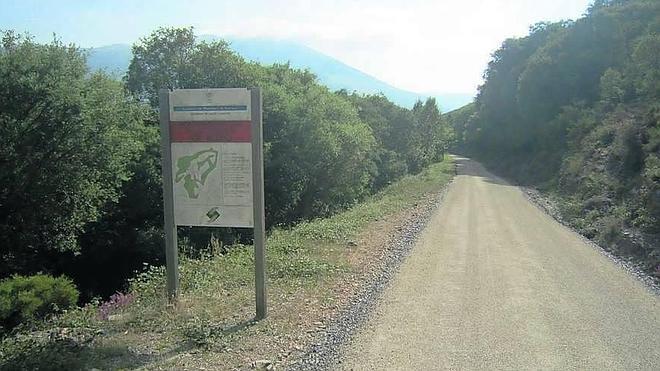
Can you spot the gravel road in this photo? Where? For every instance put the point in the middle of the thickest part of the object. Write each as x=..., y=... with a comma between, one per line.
x=495, y=283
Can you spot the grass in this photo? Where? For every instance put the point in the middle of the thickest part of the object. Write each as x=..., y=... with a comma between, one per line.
x=307, y=264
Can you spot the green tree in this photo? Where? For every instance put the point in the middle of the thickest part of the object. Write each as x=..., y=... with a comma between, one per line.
x=66, y=141
x=612, y=89
x=434, y=134
x=645, y=64
x=317, y=156
x=173, y=58
x=390, y=125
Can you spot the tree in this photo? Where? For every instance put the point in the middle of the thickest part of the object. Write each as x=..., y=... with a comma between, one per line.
x=66, y=141
x=172, y=58
x=612, y=89
x=317, y=157
x=645, y=64
x=435, y=134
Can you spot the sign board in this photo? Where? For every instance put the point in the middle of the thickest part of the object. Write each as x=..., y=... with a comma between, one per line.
x=211, y=157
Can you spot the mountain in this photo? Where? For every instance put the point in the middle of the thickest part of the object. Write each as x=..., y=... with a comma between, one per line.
x=331, y=72
x=114, y=59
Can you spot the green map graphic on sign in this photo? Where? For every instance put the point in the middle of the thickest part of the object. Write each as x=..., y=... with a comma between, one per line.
x=193, y=170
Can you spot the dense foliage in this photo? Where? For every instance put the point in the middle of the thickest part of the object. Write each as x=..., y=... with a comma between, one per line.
x=66, y=141
x=80, y=163
x=573, y=107
x=24, y=299
x=407, y=140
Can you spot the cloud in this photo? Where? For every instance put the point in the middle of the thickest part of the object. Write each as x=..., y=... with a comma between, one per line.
x=424, y=46
x=417, y=45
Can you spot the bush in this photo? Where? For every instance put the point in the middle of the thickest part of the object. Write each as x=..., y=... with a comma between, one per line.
x=24, y=299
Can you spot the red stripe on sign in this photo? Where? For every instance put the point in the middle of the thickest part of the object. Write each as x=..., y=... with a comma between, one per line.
x=214, y=131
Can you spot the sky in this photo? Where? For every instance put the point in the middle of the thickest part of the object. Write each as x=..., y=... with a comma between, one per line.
x=425, y=46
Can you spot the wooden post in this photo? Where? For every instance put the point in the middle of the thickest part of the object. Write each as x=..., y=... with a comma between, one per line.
x=258, y=200
x=171, y=248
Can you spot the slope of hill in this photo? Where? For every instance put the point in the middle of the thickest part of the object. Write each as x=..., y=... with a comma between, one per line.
x=114, y=59
x=331, y=72
x=574, y=108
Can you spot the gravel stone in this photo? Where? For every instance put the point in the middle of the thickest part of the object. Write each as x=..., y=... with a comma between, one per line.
x=325, y=353
x=629, y=265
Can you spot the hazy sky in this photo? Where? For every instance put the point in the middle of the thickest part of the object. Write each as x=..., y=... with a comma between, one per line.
x=423, y=46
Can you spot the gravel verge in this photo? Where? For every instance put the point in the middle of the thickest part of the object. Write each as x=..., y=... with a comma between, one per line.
x=325, y=351
x=628, y=264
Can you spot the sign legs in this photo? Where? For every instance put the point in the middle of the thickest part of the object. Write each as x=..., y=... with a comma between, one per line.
x=192, y=108
x=171, y=248
x=258, y=202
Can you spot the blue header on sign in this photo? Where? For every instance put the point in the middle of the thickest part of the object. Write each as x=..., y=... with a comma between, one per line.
x=231, y=108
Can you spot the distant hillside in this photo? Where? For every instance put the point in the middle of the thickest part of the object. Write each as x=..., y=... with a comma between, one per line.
x=331, y=72
x=112, y=58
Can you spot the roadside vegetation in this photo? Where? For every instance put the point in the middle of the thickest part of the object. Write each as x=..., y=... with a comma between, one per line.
x=81, y=194
x=312, y=267
x=573, y=109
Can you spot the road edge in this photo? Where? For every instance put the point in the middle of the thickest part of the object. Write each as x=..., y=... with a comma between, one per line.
x=327, y=351
x=548, y=207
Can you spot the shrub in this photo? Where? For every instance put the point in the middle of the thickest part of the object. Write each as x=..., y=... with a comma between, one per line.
x=24, y=299
x=117, y=302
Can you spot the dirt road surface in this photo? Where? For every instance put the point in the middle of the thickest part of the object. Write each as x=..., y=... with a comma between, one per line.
x=494, y=283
